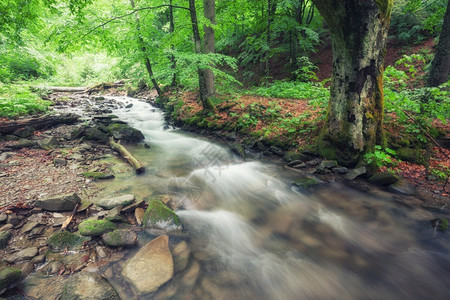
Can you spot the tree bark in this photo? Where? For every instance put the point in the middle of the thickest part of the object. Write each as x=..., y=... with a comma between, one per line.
x=354, y=117
x=137, y=165
x=440, y=66
x=147, y=62
x=204, y=99
x=209, y=8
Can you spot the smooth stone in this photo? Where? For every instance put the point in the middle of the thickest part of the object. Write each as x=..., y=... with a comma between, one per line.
x=25, y=254
x=9, y=276
x=190, y=277
x=352, y=174
x=181, y=256
x=38, y=259
x=110, y=203
x=88, y=286
x=28, y=227
x=65, y=202
x=151, y=266
x=328, y=164
x=96, y=227
x=139, y=215
x=120, y=238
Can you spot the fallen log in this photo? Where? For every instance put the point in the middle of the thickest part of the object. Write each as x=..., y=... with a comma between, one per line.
x=65, y=89
x=137, y=165
x=45, y=121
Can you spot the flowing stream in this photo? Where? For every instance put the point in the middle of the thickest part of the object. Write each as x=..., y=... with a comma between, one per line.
x=253, y=235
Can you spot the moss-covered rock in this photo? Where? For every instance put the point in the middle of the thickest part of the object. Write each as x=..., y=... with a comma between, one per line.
x=159, y=215
x=95, y=135
x=305, y=182
x=120, y=238
x=383, y=178
x=96, y=227
x=412, y=155
x=9, y=276
x=98, y=175
x=65, y=240
x=125, y=133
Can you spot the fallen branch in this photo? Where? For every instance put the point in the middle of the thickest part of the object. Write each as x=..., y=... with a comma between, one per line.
x=65, y=89
x=137, y=165
x=69, y=219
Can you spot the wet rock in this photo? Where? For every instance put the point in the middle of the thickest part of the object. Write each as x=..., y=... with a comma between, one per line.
x=403, y=187
x=129, y=105
x=53, y=267
x=339, y=170
x=4, y=238
x=125, y=133
x=28, y=227
x=383, y=178
x=305, y=182
x=120, y=238
x=25, y=254
x=440, y=224
x=139, y=215
x=27, y=268
x=60, y=162
x=160, y=216
x=96, y=227
x=190, y=277
x=352, y=174
x=38, y=259
x=101, y=253
x=109, y=203
x=181, y=256
x=151, y=266
x=65, y=240
x=114, y=215
x=98, y=175
x=238, y=150
x=94, y=134
x=24, y=132
x=328, y=164
x=48, y=143
x=88, y=286
x=99, y=98
x=9, y=276
x=276, y=150
x=59, y=203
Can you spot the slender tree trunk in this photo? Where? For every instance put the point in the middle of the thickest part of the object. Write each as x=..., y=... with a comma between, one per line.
x=354, y=118
x=440, y=66
x=172, y=57
x=209, y=8
x=204, y=99
x=267, y=69
x=148, y=65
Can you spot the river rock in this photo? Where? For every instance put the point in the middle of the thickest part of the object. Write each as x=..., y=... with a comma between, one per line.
x=61, y=162
x=25, y=254
x=65, y=240
x=160, y=216
x=4, y=238
x=48, y=143
x=13, y=219
x=120, y=238
x=96, y=227
x=339, y=170
x=28, y=227
x=352, y=174
x=88, y=286
x=139, y=215
x=114, y=214
x=25, y=132
x=130, y=208
x=383, y=178
x=109, y=203
x=59, y=203
x=151, y=266
x=403, y=187
x=94, y=134
x=327, y=164
x=181, y=256
x=8, y=276
x=190, y=277
x=125, y=133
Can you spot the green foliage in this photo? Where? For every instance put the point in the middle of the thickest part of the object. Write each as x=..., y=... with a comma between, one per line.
x=306, y=71
x=20, y=101
x=441, y=172
x=380, y=157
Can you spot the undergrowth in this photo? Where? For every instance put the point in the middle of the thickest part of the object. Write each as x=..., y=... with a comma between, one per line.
x=18, y=101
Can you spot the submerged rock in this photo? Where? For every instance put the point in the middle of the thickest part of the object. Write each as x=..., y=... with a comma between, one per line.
x=110, y=203
x=160, y=216
x=8, y=276
x=88, y=286
x=151, y=266
x=96, y=227
x=59, y=203
x=120, y=238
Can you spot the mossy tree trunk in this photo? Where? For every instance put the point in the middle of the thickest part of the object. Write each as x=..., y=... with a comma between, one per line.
x=354, y=118
x=204, y=99
x=209, y=8
x=440, y=66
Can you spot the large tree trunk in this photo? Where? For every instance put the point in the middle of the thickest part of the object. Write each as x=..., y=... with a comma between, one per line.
x=148, y=65
x=204, y=99
x=440, y=66
x=354, y=118
x=209, y=8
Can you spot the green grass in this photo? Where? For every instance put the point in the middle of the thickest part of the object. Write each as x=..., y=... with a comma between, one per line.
x=16, y=101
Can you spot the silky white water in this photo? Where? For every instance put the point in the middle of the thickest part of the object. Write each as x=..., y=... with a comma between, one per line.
x=255, y=236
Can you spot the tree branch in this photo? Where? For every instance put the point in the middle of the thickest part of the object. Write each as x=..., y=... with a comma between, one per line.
x=130, y=13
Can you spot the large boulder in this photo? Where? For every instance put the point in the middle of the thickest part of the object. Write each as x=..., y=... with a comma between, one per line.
x=125, y=133
x=110, y=203
x=151, y=266
x=160, y=216
x=8, y=276
x=88, y=286
x=96, y=227
x=65, y=202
